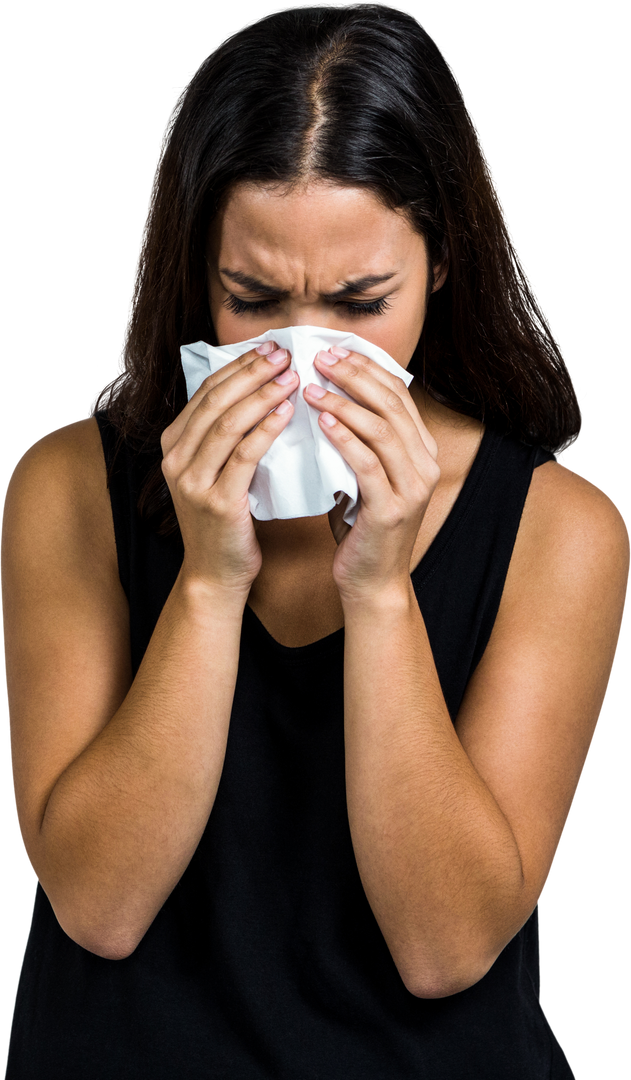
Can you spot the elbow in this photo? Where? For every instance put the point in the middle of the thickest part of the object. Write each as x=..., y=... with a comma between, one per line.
x=440, y=980
x=441, y=984
x=106, y=951
x=106, y=948
x=101, y=937
x=100, y=917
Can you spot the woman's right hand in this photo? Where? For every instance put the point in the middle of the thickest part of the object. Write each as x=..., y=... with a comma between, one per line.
x=210, y=453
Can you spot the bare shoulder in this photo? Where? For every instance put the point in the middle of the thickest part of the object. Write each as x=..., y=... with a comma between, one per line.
x=568, y=572
x=60, y=487
x=70, y=456
x=572, y=526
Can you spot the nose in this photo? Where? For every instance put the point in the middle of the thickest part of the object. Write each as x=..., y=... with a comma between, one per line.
x=311, y=313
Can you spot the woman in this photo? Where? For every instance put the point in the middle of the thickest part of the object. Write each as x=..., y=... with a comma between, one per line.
x=292, y=789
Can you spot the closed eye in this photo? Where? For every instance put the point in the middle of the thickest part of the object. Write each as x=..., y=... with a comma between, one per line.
x=353, y=307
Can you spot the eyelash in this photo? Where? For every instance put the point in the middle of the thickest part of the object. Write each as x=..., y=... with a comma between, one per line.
x=369, y=307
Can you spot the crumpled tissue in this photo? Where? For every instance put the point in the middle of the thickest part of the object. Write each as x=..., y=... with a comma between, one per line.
x=302, y=474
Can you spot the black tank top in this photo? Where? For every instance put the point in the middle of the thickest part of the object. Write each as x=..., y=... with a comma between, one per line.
x=266, y=962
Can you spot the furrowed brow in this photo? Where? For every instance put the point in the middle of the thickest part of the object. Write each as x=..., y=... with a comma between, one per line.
x=349, y=288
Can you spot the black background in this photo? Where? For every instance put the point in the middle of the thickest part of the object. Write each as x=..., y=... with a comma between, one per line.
x=82, y=113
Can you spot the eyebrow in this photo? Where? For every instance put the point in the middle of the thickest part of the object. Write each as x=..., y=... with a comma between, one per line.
x=349, y=288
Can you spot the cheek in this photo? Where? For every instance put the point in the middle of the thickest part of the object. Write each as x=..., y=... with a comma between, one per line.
x=398, y=332
x=230, y=327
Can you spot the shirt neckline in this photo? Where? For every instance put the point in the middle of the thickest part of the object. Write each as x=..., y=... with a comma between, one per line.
x=427, y=565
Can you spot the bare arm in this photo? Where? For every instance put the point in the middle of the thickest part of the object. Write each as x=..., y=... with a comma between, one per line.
x=455, y=828
x=124, y=818
x=114, y=780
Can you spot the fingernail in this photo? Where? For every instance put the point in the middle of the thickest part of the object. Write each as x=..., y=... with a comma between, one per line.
x=286, y=377
x=327, y=419
x=277, y=357
x=314, y=391
x=265, y=348
x=327, y=358
x=340, y=353
x=284, y=406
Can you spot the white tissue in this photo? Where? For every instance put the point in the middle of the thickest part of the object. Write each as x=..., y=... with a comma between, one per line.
x=302, y=472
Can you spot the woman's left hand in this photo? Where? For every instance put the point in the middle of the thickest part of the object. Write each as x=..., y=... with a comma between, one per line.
x=381, y=436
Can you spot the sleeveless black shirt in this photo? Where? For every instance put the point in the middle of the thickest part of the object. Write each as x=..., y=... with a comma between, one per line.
x=266, y=962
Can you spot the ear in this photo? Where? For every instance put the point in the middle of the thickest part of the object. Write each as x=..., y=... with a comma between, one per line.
x=440, y=275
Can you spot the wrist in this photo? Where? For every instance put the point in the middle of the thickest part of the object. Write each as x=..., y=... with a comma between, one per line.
x=211, y=597
x=394, y=598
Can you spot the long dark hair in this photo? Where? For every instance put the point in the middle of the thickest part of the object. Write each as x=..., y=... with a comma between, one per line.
x=358, y=95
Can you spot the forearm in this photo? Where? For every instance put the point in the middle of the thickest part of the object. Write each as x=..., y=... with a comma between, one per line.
x=124, y=819
x=437, y=857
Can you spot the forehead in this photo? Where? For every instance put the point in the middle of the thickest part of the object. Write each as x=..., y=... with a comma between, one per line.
x=313, y=225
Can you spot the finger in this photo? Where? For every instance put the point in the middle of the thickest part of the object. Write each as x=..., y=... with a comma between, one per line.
x=228, y=469
x=232, y=410
x=238, y=473
x=252, y=368
x=380, y=435
x=378, y=400
x=374, y=486
x=355, y=372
